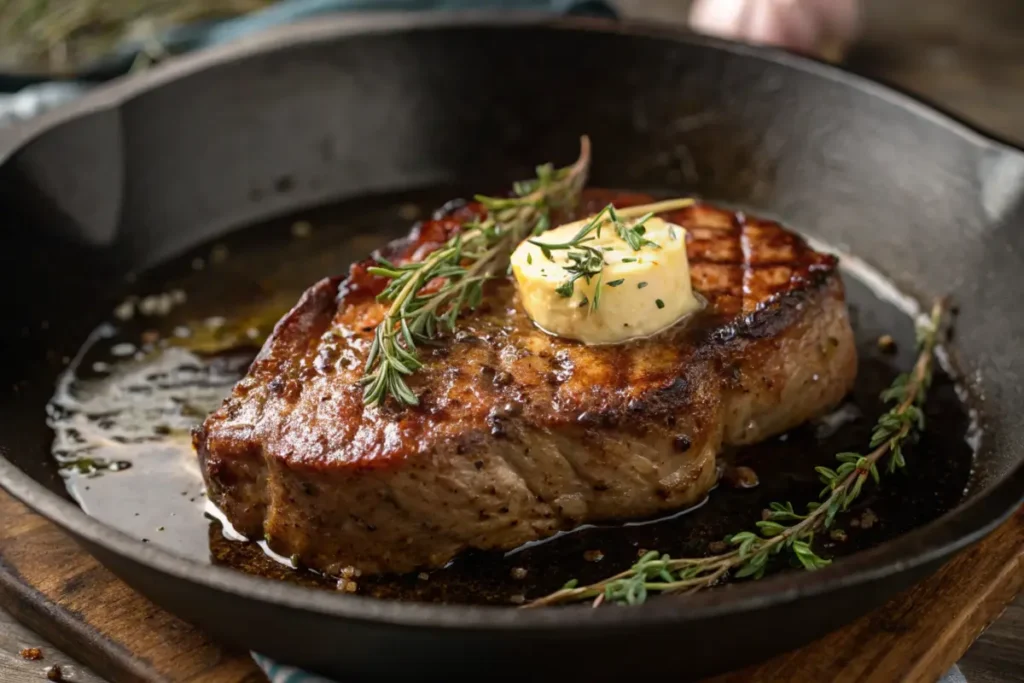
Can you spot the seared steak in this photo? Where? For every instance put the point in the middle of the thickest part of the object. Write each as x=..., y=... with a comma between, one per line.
x=519, y=434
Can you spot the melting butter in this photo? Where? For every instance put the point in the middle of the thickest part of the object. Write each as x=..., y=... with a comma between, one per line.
x=637, y=294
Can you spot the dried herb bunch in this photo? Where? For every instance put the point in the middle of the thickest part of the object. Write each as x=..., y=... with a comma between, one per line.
x=478, y=252
x=64, y=36
x=783, y=529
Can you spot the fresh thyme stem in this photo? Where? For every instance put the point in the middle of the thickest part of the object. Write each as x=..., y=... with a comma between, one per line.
x=654, y=208
x=655, y=572
x=479, y=251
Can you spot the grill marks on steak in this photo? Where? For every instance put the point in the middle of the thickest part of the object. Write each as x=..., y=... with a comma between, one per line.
x=520, y=434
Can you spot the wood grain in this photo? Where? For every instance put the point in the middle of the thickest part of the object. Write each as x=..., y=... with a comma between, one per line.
x=16, y=669
x=997, y=656
x=917, y=636
x=49, y=583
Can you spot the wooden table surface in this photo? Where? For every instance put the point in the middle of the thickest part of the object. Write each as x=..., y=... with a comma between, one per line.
x=966, y=55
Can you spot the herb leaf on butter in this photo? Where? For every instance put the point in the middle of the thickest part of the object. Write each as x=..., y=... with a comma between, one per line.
x=588, y=261
x=633, y=235
x=478, y=252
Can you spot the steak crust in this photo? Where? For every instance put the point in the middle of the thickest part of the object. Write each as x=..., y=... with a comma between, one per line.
x=519, y=434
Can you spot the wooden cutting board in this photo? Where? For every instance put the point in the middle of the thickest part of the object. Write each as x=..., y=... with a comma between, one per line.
x=53, y=586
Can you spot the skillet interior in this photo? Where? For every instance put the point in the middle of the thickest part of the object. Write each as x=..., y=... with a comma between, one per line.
x=132, y=176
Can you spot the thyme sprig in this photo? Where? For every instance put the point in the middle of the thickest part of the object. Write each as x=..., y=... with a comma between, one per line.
x=478, y=252
x=633, y=234
x=587, y=262
x=782, y=528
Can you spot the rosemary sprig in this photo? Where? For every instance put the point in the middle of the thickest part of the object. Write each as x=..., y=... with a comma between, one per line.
x=782, y=527
x=587, y=262
x=478, y=252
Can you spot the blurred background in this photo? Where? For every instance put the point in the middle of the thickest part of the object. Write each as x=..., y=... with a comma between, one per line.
x=967, y=55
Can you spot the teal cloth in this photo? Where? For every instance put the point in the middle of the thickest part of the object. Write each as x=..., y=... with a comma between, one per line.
x=23, y=97
x=278, y=673
x=292, y=10
x=186, y=38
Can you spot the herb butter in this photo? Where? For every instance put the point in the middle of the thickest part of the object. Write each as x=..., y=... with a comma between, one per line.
x=610, y=291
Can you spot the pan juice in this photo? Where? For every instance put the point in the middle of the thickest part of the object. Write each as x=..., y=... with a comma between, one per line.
x=186, y=332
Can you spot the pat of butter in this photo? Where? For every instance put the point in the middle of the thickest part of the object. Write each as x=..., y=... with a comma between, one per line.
x=641, y=292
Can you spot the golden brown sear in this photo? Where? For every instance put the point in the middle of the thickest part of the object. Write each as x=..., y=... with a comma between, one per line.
x=518, y=434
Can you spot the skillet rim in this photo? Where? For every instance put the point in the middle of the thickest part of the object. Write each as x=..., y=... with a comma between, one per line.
x=936, y=540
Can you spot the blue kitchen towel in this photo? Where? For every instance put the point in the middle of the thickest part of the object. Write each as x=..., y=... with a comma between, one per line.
x=278, y=673
x=25, y=96
x=208, y=34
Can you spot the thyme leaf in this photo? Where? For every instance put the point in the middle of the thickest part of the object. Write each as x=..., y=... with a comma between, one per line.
x=587, y=262
x=633, y=235
x=477, y=253
x=782, y=529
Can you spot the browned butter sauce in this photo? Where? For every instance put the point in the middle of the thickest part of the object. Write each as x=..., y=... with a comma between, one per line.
x=161, y=361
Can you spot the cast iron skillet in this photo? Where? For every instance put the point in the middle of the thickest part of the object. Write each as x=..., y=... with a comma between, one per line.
x=144, y=169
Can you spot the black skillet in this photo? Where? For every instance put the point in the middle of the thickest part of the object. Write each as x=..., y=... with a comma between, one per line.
x=147, y=168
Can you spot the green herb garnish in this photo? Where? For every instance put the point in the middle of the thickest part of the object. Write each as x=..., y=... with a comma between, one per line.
x=782, y=529
x=597, y=292
x=634, y=235
x=478, y=252
x=587, y=262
